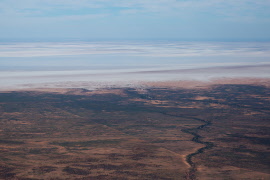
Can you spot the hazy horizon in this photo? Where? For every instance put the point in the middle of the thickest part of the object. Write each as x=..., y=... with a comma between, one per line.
x=59, y=41
x=110, y=20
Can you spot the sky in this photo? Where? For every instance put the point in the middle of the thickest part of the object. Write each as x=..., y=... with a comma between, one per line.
x=135, y=19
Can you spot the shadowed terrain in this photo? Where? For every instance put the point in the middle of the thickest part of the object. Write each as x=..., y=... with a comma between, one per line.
x=220, y=132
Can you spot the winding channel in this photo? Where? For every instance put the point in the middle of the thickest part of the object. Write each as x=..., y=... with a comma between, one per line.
x=196, y=138
x=191, y=174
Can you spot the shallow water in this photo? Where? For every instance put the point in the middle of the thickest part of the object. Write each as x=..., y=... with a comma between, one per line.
x=89, y=64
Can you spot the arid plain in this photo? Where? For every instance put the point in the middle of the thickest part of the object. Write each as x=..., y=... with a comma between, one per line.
x=171, y=130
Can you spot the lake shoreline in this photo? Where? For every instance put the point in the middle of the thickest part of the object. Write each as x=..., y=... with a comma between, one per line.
x=76, y=87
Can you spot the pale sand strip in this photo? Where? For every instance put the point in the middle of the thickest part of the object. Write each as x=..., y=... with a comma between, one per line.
x=207, y=84
x=186, y=84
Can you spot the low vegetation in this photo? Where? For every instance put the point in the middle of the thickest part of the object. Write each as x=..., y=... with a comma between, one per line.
x=159, y=133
